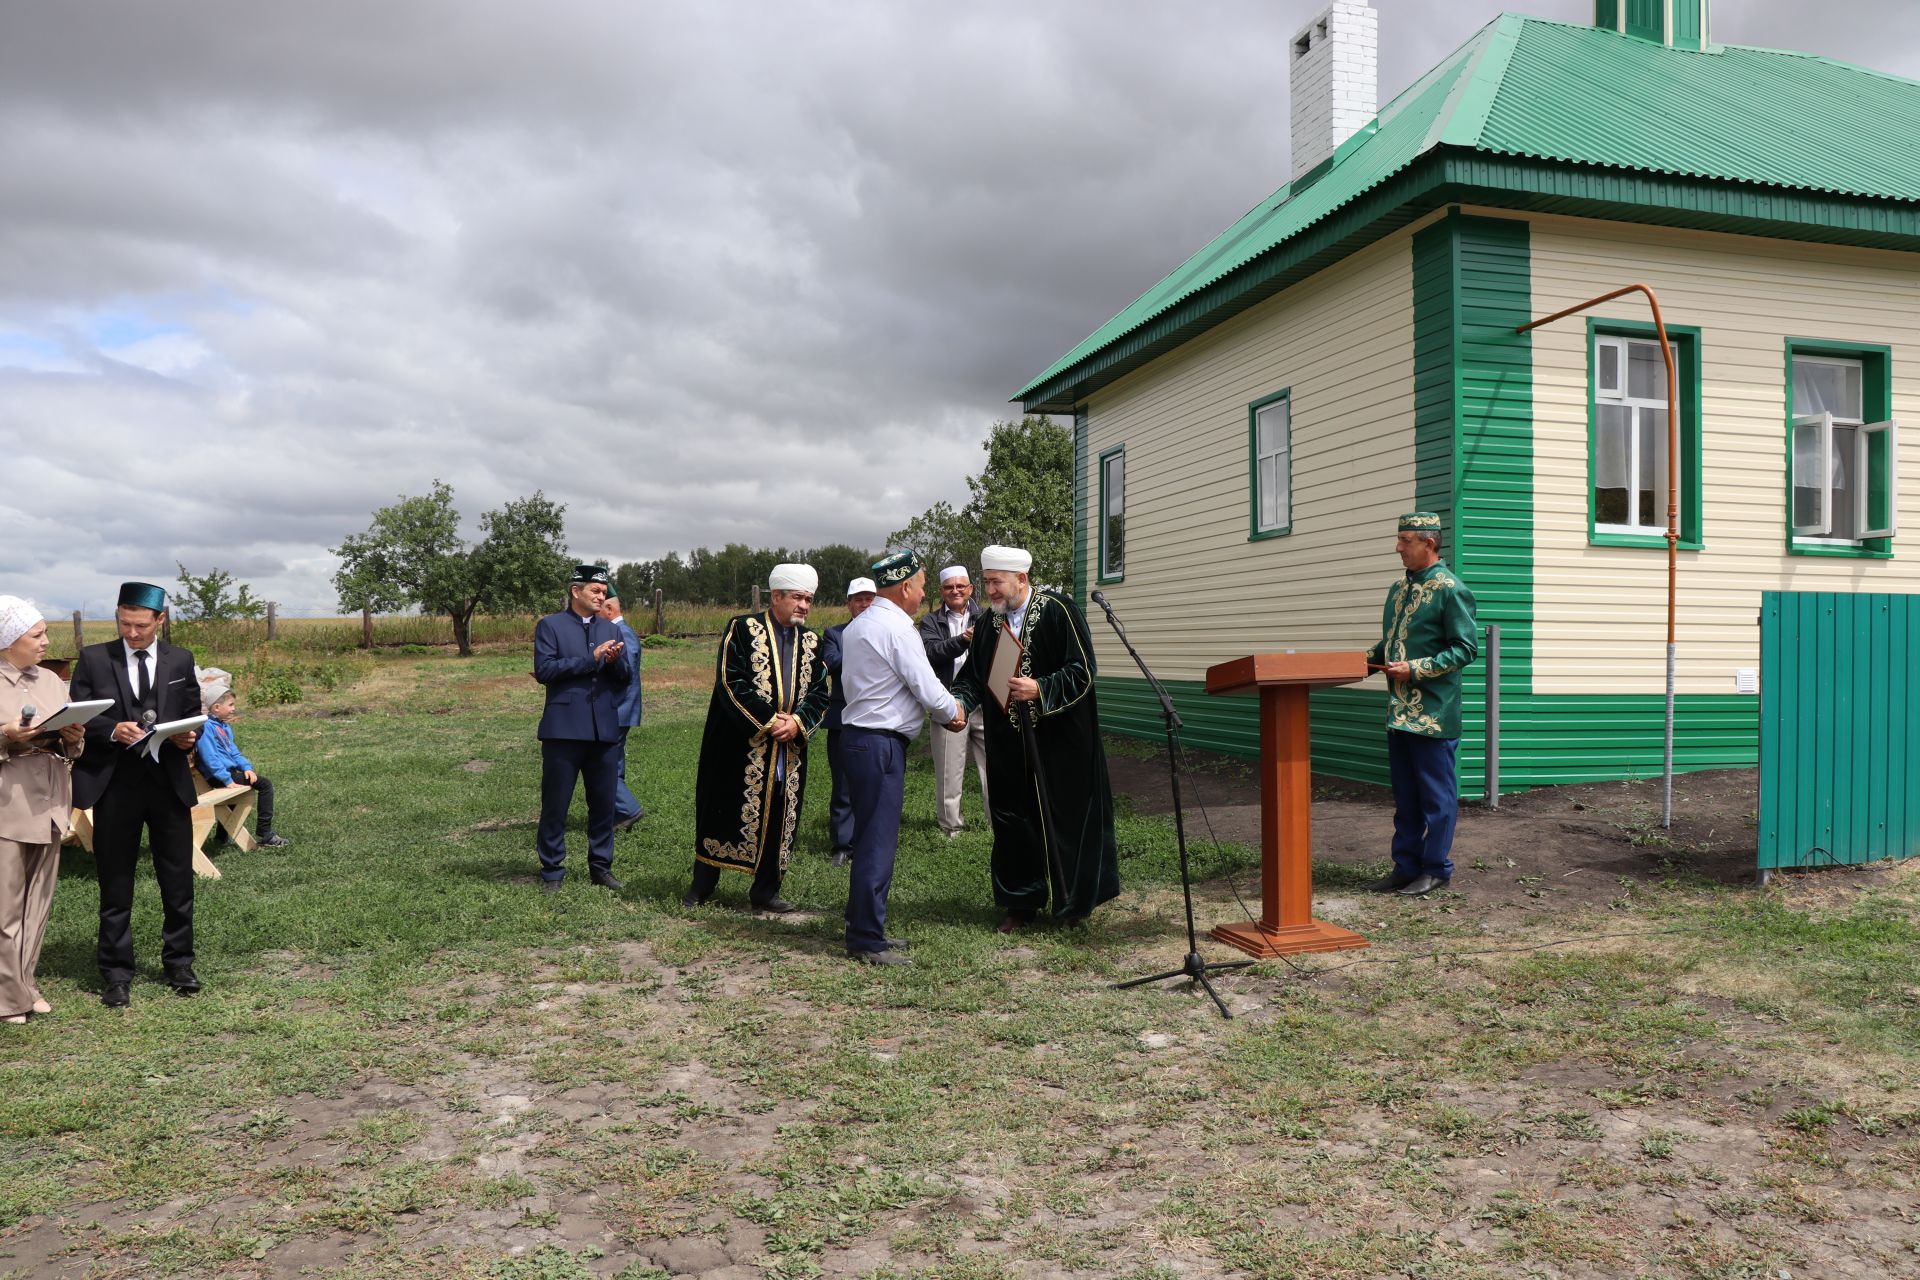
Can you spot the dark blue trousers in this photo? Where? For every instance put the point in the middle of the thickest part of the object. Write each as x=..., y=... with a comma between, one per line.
x=563, y=763
x=624, y=805
x=1426, y=803
x=876, y=770
x=840, y=811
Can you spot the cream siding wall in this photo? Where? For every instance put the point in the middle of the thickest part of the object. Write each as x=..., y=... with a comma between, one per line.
x=1600, y=612
x=1197, y=591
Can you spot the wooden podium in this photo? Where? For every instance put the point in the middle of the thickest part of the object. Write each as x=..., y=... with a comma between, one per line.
x=1283, y=680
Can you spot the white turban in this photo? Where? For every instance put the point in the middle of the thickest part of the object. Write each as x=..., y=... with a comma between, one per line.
x=794, y=577
x=951, y=572
x=215, y=684
x=17, y=617
x=862, y=586
x=1006, y=559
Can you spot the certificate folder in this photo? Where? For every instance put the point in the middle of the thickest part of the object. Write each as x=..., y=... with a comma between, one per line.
x=1005, y=666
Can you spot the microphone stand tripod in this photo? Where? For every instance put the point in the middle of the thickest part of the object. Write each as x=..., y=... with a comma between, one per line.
x=1193, y=968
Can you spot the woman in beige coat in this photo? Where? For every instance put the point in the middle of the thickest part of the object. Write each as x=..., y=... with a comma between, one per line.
x=36, y=800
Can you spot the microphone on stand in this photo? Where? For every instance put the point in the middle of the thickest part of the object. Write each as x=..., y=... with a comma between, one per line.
x=1101, y=600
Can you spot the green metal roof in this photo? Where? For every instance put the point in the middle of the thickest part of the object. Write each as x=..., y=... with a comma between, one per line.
x=1575, y=94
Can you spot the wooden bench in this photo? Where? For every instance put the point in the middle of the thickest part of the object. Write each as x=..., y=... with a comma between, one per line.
x=226, y=807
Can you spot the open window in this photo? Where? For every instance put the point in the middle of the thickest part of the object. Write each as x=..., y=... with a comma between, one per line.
x=1844, y=452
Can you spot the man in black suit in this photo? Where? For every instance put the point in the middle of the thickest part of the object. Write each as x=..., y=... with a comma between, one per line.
x=150, y=682
x=577, y=655
x=947, y=631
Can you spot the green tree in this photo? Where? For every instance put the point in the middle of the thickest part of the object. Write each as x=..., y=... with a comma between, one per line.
x=941, y=536
x=1024, y=496
x=204, y=598
x=412, y=554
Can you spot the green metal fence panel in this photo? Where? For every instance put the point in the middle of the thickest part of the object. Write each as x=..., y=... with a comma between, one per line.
x=1839, y=746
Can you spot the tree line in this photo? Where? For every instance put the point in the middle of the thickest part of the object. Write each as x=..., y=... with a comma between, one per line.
x=412, y=554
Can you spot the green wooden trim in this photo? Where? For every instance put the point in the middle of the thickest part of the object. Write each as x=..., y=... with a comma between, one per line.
x=1689, y=27
x=1606, y=14
x=1647, y=20
x=1100, y=566
x=1687, y=356
x=1436, y=386
x=1082, y=424
x=1876, y=405
x=1449, y=174
x=1545, y=740
x=1254, y=532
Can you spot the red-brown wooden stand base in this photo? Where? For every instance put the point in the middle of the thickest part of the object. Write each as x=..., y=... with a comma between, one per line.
x=1264, y=943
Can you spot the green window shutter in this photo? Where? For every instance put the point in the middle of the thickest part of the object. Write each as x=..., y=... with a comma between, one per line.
x=1647, y=19
x=1880, y=445
x=1606, y=14
x=1686, y=24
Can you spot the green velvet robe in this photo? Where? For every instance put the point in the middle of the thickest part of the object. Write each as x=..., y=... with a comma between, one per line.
x=1429, y=624
x=742, y=812
x=1059, y=654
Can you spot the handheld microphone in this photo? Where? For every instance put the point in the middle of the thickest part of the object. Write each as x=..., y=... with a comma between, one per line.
x=27, y=712
x=148, y=719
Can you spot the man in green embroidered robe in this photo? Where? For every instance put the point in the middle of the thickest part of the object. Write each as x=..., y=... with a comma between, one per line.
x=770, y=692
x=1428, y=633
x=1055, y=687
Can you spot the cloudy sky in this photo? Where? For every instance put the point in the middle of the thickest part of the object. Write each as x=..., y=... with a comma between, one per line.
x=704, y=271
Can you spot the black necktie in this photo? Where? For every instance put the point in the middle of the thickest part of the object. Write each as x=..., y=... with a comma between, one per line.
x=145, y=692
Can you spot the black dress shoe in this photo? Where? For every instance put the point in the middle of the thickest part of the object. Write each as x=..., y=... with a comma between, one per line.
x=628, y=824
x=775, y=905
x=879, y=957
x=115, y=996
x=842, y=858
x=182, y=979
x=272, y=840
x=551, y=886
x=1392, y=882
x=1421, y=886
x=691, y=898
x=606, y=880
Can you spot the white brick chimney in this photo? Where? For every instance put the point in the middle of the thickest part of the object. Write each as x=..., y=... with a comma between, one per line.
x=1333, y=80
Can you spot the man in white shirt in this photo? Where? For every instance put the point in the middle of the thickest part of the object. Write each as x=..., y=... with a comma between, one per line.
x=947, y=632
x=890, y=686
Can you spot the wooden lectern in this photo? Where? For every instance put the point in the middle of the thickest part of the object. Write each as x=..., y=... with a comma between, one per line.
x=1286, y=922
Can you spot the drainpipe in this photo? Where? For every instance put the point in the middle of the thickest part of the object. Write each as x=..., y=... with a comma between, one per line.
x=1673, y=506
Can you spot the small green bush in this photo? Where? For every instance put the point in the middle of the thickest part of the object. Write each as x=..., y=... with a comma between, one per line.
x=274, y=688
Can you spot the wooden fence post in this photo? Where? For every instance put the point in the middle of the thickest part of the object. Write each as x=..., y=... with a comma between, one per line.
x=166, y=627
x=756, y=597
x=366, y=627
x=79, y=633
x=273, y=620
x=659, y=612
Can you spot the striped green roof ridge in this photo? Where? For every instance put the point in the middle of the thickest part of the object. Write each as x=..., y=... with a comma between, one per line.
x=1554, y=91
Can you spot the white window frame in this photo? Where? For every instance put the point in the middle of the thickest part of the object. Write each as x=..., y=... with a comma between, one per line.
x=1819, y=534
x=1282, y=458
x=1622, y=346
x=1109, y=494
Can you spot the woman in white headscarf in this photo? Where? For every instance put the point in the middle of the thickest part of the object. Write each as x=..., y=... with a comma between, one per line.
x=36, y=800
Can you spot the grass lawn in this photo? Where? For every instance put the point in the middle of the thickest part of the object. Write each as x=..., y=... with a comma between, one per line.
x=409, y=1062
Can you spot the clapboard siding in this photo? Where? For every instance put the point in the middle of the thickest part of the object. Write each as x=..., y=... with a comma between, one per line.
x=1600, y=612
x=1197, y=590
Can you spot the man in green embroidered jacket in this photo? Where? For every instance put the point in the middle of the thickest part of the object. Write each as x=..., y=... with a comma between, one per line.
x=1428, y=633
x=1055, y=688
x=770, y=692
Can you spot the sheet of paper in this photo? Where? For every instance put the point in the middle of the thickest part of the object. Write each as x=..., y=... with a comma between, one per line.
x=161, y=732
x=1004, y=667
x=72, y=713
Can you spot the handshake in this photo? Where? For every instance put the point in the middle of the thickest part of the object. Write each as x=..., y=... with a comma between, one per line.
x=959, y=722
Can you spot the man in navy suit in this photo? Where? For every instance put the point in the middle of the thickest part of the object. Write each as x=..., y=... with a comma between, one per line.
x=626, y=809
x=129, y=791
x=578, y=656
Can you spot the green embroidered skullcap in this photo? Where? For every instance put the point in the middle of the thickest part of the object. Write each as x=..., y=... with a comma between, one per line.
x=1420, y=522
x=895, y=567
x=143, y=595
x=589, y=573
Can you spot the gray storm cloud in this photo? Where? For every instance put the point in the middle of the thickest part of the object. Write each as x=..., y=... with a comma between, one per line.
x=703, y=272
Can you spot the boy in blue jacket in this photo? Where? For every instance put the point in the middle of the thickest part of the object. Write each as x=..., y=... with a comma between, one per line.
x=220, y=760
